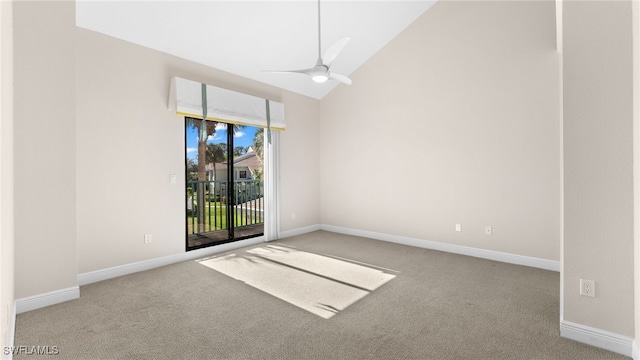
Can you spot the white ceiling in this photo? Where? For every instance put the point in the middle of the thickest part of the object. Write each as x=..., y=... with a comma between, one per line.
x=247, y=37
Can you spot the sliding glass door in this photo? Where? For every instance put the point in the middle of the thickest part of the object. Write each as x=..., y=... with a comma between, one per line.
x=224, y=183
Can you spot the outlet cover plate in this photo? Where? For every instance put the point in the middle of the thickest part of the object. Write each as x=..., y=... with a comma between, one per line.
x=587, y=288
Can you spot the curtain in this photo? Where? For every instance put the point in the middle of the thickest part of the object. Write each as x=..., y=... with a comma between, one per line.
x=223, y=105
x=271, y=195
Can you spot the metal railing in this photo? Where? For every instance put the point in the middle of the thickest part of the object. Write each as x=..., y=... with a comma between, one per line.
x=209, y=205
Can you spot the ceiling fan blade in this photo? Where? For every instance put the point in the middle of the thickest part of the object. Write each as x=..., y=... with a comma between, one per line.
x=343, y=79
x=302, y=71
x=334, y=50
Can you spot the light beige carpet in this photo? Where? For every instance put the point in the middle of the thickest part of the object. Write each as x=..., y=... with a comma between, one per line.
x=438, y=306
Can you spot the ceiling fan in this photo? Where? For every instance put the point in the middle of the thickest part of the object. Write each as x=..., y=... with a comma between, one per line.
x=321, y=71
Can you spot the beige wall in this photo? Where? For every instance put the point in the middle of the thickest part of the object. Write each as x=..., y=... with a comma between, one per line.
x=456, y=120
x=128, y=144
x=6, y=176
x=299, y=157
x=598, y=164
x=45, y=147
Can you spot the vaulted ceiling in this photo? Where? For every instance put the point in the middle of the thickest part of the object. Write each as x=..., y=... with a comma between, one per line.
x=247, y=37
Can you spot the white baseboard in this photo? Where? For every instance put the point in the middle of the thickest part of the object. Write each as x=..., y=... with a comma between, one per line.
x=299, y=231
x=51, y=298
x=451, y=248
x=598, y=338
x=635, y=351
x=113, y=272
x=72, y=293
x=110, y=273
x=42, y=300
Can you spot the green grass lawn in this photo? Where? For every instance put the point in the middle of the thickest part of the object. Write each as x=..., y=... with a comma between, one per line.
x=215, y=218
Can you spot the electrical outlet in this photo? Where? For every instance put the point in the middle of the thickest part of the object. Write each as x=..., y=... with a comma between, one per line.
x=147, y=238
x=458, y=227
x=488, y=230
x=587, y=288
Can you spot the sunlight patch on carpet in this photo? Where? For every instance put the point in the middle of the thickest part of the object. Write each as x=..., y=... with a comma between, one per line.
x=319, y=284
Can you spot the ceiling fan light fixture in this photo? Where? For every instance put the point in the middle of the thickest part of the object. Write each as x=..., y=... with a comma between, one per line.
x=320, y=78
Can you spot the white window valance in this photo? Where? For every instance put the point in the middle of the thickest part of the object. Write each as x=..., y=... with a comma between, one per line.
x=185, y=98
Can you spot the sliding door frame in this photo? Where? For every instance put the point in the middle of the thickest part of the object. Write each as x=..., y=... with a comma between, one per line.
x=230, y=193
